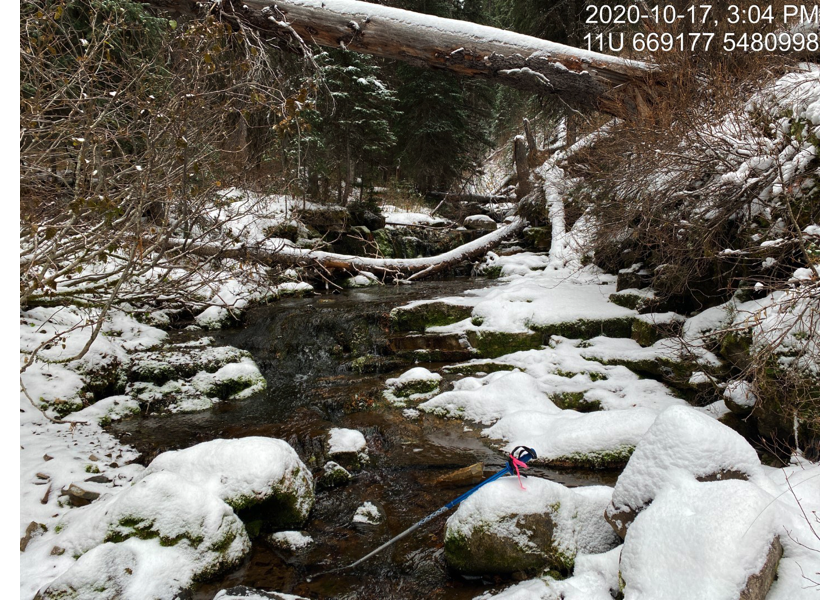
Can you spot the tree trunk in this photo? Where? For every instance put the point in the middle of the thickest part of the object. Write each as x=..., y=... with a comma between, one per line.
x=416, y=268
x=523, y=170
x=582, y=78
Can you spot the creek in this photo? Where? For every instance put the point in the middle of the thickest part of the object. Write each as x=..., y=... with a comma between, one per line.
x=305, y=347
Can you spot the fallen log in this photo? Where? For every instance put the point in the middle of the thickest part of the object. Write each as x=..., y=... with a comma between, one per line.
x=275, y=252
x=584, y=79
x=475, y=198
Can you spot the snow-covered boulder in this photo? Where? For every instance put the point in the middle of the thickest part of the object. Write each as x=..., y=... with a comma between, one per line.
x=415, y=384
x=682, y=444
x=566, y=438
x=258, y=477
x=347, y=447
x=717, y=540
x=480, y=222
x=151, y=540
x=503, y=529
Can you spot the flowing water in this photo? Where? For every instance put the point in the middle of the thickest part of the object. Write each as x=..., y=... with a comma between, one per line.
x=305, y=347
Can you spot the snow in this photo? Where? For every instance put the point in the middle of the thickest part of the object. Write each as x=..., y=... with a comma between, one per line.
x=195, y=532
x=741, y=393
x=595, y=577
x=346, y=440
x=704, y=537
x=519, y=406
x=240, y=469
x=368, y=514
x=537, y=299
x=412, y=376
x=682, y=444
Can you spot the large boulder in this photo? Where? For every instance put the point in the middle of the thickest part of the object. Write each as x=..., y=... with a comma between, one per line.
x=260, y=478
x=503, y=529
x=716, y=540
x=151, y=540
x=480, y=223
x=681, y=444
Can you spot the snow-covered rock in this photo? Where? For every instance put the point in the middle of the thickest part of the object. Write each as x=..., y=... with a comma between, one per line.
x=681, y=444
x=368, y=514
x=415, y=384
x=502, y=529
x=334, y=475
x=480, y=222
x=289, y=540
x=709, y=541
x=241, y=592
x=150, y=540
x=347, y=447
x=192, y=376
x=254, y=475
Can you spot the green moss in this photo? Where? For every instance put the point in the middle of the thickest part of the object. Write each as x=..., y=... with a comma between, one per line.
x=144, y=529
x=283, y=510
x=423, y=386
x=617, y=327
x=478, y=367
x=492, y=344
x=92, y=469
x=429, y=314
x=631, y=301
x=644, y=333
x=605, y=459
x=575, y=401
x=735, y=347
x=493, y=272
x=383, y=242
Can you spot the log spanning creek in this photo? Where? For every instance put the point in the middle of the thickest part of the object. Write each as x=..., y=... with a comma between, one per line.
x=326, y=360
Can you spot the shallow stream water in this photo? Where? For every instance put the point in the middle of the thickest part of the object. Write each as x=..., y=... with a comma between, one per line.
x=304, y=348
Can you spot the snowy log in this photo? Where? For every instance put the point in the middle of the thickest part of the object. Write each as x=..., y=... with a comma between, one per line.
x=584, y=79
x=278, y=252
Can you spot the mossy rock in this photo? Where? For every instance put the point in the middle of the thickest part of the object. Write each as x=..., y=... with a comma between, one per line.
x=281, y=511
x=615, y=458
x=491, y=272
x=334, y=476
x=420, y=386
x=471, y=368
x=575, y=401
x=584, y=329
x=419, y=317
x=287, y=231
x=371, y=363
x=537, y=238
x=182, y=361
x=486, y=553
x=383, y=242
x=646, y=333
x=492, y=344
x=735, y=347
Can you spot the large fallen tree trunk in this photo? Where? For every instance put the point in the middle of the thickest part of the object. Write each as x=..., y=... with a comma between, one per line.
x=582, y=78
x=278, y=253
